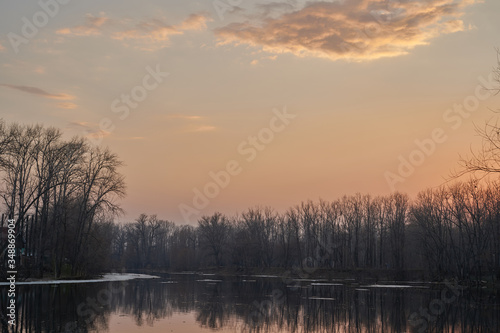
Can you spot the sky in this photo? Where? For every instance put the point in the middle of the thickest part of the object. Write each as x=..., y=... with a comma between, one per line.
x=222, y=105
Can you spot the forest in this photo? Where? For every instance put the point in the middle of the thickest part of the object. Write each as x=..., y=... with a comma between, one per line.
x=62, y=194
x=447, y=232
x=64, y=197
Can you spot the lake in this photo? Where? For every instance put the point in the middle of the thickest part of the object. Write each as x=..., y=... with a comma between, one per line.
x=204, y=303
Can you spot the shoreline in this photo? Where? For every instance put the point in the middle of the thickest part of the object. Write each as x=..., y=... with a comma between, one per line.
x=354, y=277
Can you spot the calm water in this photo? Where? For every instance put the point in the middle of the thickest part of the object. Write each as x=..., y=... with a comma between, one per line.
x=197, y=303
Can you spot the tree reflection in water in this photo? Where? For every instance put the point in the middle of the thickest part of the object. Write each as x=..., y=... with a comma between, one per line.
x=258, y=305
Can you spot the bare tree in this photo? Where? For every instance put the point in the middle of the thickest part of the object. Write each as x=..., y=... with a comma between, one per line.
x=487, y=159
x=183, y=247
x=259, y=227
x=396, y=212
x=50, y=184
x=101, y=184
x=18, y=164
x=214, y=235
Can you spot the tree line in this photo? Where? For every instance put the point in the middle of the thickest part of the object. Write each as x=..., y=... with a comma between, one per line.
x=452, y=231
x=62, y=194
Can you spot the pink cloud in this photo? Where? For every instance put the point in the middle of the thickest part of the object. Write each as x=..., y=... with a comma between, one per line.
x=67, y=106
x=91, y=27
x=354, y=30
x=88, y=130
x=147, y=35
x=39, y=92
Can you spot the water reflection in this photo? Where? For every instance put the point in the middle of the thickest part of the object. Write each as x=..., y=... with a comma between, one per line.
x=256, y=305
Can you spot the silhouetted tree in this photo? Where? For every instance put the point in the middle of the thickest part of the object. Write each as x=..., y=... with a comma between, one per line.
x=486, y=159
x=214, y=234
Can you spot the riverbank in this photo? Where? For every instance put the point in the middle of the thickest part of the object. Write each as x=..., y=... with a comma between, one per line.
x=351, y=277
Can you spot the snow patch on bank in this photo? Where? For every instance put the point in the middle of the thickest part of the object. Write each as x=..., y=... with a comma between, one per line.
x=389, y=286
x=105, y=278
x=327, y=284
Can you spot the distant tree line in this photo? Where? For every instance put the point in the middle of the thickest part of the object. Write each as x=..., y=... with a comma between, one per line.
x=452, y=231
x=62, y=195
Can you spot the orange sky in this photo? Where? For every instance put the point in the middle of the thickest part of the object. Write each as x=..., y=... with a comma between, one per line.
x=223, y=105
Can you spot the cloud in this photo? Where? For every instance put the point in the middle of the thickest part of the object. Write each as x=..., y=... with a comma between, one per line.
x=195, y=22
x=185, y=117
x=23, y=66
x=153, y=31
x=353, y=29
x=88, y=130
x=92, y=26
x=1, y=47
x=67, y=105
x=78, y=124
x=190, y=123
x=39, y=92
x=39, y=70
x=202, y=128
x=146, y=35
